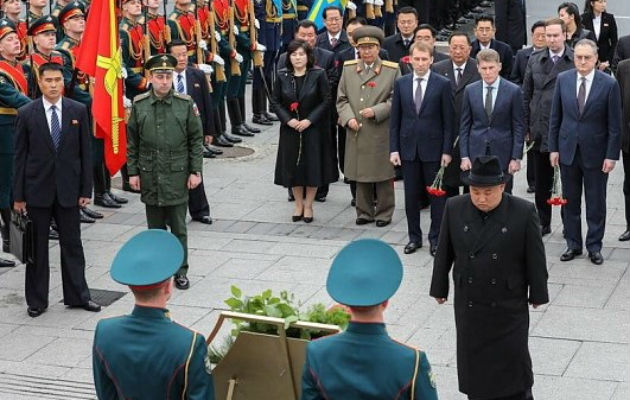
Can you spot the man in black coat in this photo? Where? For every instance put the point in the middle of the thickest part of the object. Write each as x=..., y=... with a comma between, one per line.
x=334, y=38
x=623, y=77
x=492, y=241
x=397, y=45
x=192, y=81
x=484, y=33
x=53, y=178
x=622, y=51
x=538, y=86
x=511, y=23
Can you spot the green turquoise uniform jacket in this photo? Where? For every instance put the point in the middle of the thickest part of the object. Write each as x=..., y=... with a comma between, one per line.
x=164, y=146
x=146, y=355
x=364, y=363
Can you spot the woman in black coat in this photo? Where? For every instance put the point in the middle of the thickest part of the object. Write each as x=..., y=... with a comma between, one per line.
x=300, y=99
x=604, y=26
x=570, y=14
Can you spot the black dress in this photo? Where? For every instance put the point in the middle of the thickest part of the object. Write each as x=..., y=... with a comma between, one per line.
x=303, y=158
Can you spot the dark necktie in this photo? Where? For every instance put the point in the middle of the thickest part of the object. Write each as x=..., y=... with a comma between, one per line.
x=582, y=95
x=459, y=76
x=55, y=128
x=417, y=98
x=333, y=42
x=406, y=42
x=488, y=102
x=180, y=83
x=555, y=59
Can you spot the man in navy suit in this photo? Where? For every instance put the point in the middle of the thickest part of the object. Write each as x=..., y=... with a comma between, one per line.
x=53, y=178
x=334, y=38
x=484, y=33
x=421, y=138
x=492, y=118
x=584, y=136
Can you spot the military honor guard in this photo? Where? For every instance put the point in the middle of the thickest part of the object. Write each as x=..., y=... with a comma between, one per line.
x=36, y=10
x=363, y=105
x=12, y=11
x=364, y=362
x=147, y=355
x=59, y=5
x=289, y=22
x=133, y=48
x=13, y=95
x=156, y=26
x=164, y=153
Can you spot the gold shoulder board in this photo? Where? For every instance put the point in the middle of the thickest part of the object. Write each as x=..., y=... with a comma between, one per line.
x=389, y=64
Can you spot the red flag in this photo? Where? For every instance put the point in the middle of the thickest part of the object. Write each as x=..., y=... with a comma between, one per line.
x=100, y=57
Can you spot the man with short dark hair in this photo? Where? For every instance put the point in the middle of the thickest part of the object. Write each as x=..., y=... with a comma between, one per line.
x=522, y=56
x=484, y=34
x=334, y=38
x=397, y=45
x=426, y=33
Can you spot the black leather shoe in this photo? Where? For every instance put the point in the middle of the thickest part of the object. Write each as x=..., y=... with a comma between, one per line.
x=127, y=188
x=531, y=189
x=117, y=199
x=290, y=197
x=239, y=130
x=89, y=306
x=181, y=282
x=433, y=249
x=270, y=117
x=308, y=220
x=221, y=141
x=411, y=247
x=353, y=203
x=321, y=199
x=261, y=120
x=53, y=234
x=381, y=224
x=625, y=236
x=4, y=263
x=214, y=150
x=85, y=219
x=363, y=221
x=232, y=139
x=545, y=230
x=208, y=154
x=570, y=254
x=91, y=213
x=204, y=220
x=250, y=128
x=34, y=312
x=596, y=257
x=105, y=201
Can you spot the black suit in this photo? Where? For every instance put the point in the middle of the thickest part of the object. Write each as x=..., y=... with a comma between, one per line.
x=520, y=64
x=395, y=47
x=498, y=262
x=197, y=88
x=342, y=43
x=622, y=51
x=623, y=72
x=607, y=40
x=51, y=182
x=510, y=23
x=505, y=53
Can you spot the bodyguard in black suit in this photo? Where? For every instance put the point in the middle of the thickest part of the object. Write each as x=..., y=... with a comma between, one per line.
x=623, y=73
x=334, y=38
x=421, y=139
x=397, y=45
x=192, y=81
x=484, y=33
x=584, y=134
x=604, y=26
x=522, y=56
x=461, y=70
x=53, y=178
x=491, y=240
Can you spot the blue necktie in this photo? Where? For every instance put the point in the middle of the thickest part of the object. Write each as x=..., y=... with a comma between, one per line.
x=55, y=128
x=180, y=83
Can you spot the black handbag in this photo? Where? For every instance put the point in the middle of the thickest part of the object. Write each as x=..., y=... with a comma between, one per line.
x=21, y=238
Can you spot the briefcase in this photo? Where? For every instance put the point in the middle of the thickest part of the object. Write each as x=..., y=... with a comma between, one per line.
x=21, y=238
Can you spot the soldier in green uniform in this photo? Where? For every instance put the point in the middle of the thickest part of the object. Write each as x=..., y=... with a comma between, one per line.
x=13, y=95
x=147, y=355
x=364, y=362
x=164, y=153
x=132, y=48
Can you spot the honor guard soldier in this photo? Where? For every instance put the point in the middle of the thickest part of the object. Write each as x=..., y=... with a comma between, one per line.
x=303, y=7
x=289, y=23
x=43, y=33
x=35, y=10
x=146, y=355
x=164, y=153
x=132, y=44
x=12, y=11
x=269, y=17
x=364, y=362
x=156, y=25
x=13, y=95
x=59, y=5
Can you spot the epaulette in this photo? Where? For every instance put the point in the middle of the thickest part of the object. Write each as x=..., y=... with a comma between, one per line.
x=173, y=16
x=142, y=96
x=182, y=96
x=350, y=62
x=65, y=45
x=124, y=26
x=389, y=64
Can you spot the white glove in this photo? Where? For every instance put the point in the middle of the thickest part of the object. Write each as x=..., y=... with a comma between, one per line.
x=260, y=47
x=217, y=36
x=218, y=59
x=126, y=102
x=368, y=1
x=257, y=24
x=235, y=30
x=123, y=73
x=378, y=2
x=238, y=58
x=207, y=69
x=351, y=6
x=204, y=46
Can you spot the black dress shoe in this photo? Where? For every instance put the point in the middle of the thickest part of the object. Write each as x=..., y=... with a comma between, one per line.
x=250, y=128
x=4, y=263
x=570, y=254
x=181, y=282
x=53, y=234
x=290, y=197
x=353, y=203
x=214, y=150
x=363, y=221
x=105, y=201
x=232, y=139
x=381, y=224
x=117, y=199
x=545, y=230
x=531, y=189
x=411, y=247
x=270, y=117
x=85, y=219
x=34, y=312
x=261, y=120
x=433, y=249
x=296, y=218
x=127, y=188
x=91, y=213
x=625, y=236
x=89, y=306
x=239, y=130
x=204, y=220
x=596, y=257
x=321, y=199
x=221, y=141
x=208, y=154
x=308, y=220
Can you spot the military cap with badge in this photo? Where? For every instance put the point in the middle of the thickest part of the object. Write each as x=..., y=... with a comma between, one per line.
x=71, y=10
x=6, y=27
x=41, y=25
x=161, y=63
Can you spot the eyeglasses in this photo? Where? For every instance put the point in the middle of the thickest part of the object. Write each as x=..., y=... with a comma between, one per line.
x=333, y=19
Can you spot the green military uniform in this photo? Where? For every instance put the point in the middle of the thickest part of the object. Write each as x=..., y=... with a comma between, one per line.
x=146, y=355
x=363, y=362
x=132, y=48
x=221, y=10
x=164, y=146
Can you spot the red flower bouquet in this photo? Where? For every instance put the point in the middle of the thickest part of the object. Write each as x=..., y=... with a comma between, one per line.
x=556, y=198
x=436, y=188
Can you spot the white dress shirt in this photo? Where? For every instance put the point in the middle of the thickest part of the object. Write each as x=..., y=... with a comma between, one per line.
x=559, y=55
x=589, y=83
x=330, y=37
x=455, y=72
x=176, y=80
x=425, y=79
x=597, y=25
x=48, y=110
x=495, y=90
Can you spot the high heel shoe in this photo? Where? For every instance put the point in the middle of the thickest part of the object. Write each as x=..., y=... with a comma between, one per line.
x=308, y=220
x=296, y=218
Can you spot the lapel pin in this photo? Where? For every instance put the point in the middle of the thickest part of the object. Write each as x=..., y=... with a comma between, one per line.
x=196, y=85
x=504, y=230
x=75, y=122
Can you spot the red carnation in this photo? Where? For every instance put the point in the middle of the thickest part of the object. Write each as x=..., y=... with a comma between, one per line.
x=556, y=198
x=294, y=106
x=436, y=188
x=371, y=84
x=405, y=60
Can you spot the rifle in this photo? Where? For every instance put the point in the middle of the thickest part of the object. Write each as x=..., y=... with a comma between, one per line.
x=219, y=72
x=167, y=29
x=253, y=37
x=31, y=92
x=197, y=34
x=146, y=40
x=235, y=68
